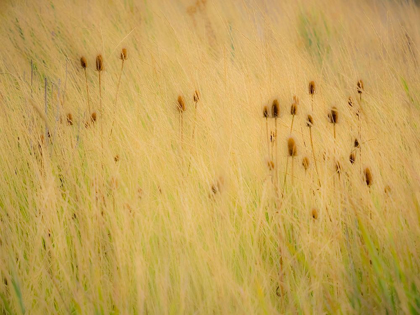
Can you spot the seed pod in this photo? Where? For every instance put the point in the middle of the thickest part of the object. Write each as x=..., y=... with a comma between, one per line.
x=356, y=143
x=352, y=157
x=293, y=108
x=314, y=214
x=69, y=119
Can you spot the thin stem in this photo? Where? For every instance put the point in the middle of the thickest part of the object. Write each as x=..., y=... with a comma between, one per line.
x=313, y=153
x=116, y=94
x=87, y=91
x=276, y=166
x=291, y=127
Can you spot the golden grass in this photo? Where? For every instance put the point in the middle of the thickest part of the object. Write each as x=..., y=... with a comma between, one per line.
x=93, y=224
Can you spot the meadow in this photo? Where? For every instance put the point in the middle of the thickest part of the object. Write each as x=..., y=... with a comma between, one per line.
x=209, y=157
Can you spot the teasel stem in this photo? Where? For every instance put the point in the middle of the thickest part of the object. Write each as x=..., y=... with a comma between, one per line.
x=196, y=98
x=309, y=123
x=46, y=110
x=123, y=58
x=181, y=109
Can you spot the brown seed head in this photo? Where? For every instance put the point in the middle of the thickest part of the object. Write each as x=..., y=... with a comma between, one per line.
x=309, y=121
x=338, y=167
x=356, y=143
x=270, y=165
x=272, y=136
x=83, y=62
x=352, y=157
x=265, y=112
x=93, y=117
x=123, y=55
x=69, y=119
x=293, y=108
x=196, y=96
x=99, y=63
x=387, y=189
x=360, y=87
x=312, y=88
x=181, y=104
x=314, y=214
x=291, y=146
x=305, y=163
x=350, y=101
x=333, y=115
x=368, y=177
x=275, y=109
x=116, y=158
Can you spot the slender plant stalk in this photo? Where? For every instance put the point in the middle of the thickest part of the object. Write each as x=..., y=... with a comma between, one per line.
x=87, y=91
x=313, y=154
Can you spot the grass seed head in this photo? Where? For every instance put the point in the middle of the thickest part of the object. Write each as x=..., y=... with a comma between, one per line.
x=338, y=167
x=356, y=143
x=293, y=108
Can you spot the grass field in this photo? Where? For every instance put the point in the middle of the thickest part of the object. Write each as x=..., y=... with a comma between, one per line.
x=153, y=209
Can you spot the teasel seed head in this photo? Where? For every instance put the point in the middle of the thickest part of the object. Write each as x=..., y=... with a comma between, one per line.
x=291, y=146
x=93, y=117
x=312, y=88
x=314, y=214
x=116, y=158
x=387, y=189
x=83, y=62
x=356, y=143
x=265, y=112
x=309, y=121
x=338, y=167
x=196, y=96
x=270, y=165
x=272, y=136
x=350, y=101
x=181, y=104
x=368, y=177
x=293, y=108
x=333, y=115
x=69, y=119
x=275, y=109
x=305, y=163
x=352, y=158
x=99, y=63
x=123, y=55
x=360, y=87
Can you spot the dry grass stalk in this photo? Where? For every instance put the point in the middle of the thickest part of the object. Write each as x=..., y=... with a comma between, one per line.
x=123, y=57
x=196, y=98
x=83, y=63
x=100, y=68
x=266, y=116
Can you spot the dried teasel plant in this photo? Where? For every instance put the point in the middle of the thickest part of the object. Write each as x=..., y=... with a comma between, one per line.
x=69, y=119
x=368, y=177
x=360, y=88
x=333, y=118
x=123, y=57
x=196, y=98
x=100, y=68
x=266, y=115
x=181, y=109
x=312, y=93
x=305, y=163
x=83, y=63
x=309, y=124
x=275, y=113
x=294, y=110
x=291, y=152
